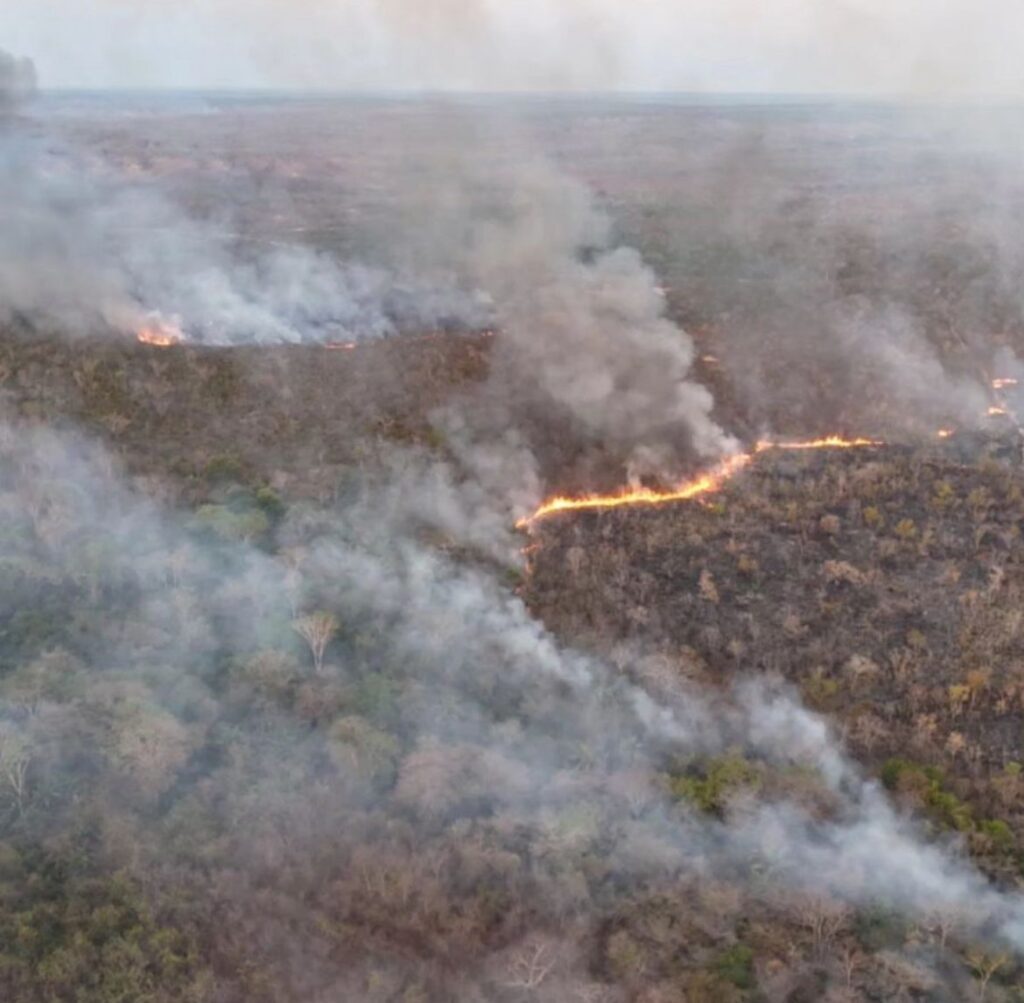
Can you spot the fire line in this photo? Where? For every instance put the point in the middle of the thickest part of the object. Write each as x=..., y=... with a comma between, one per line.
x=703, y=484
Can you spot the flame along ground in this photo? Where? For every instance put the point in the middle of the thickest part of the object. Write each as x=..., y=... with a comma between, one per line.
x=703, y=484
x=713, y=479
x=160, y=333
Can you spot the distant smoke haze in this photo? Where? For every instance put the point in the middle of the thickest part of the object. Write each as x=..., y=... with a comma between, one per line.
x=852, y=46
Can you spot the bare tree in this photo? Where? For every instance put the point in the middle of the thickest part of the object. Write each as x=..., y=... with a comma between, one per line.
x=824, y=917
x=531, y=964
x=985, y=965
x=15, y=759
x=851, y=959
x=293, y=558
x=944, y=922
x=317, y=629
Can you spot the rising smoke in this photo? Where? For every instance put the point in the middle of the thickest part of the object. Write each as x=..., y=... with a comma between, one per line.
x=88, y=256
x=17, y=82
x=83, y=251
x=585, y=339
x=583, y=324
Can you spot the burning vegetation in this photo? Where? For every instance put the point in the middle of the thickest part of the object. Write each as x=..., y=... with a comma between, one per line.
x=160, y=333
x=701, y=485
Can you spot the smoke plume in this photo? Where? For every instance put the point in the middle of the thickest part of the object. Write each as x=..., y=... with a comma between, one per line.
x=583, y=321
x=84, y=251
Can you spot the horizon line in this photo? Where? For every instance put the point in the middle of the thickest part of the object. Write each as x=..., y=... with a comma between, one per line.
x=800, y=97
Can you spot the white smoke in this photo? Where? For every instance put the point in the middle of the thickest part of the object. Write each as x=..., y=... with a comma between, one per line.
x=84, y=251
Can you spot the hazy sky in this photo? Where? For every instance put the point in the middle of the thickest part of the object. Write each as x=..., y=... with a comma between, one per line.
x=933, y=47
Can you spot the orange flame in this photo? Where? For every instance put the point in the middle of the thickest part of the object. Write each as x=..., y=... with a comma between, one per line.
x=994, y=411
x=829, y=442
x=160, y=334
x=340, y=346
x=706, y=483
x=1002, y=382
x=946, y=433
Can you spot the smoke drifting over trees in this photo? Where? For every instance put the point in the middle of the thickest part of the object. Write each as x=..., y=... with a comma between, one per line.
x=583, y=321
x=87, y=254
x=317, y=747
x=173, y=708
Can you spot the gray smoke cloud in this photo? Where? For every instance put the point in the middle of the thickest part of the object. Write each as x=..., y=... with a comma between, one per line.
x=584, y=322
x=584, y=344
x=584, y=334
x=835, y=292
x=81, y=253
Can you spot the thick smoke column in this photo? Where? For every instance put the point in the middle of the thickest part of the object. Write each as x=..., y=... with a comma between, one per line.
x=584, y=347
x=17, y=82
x=585, y=323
